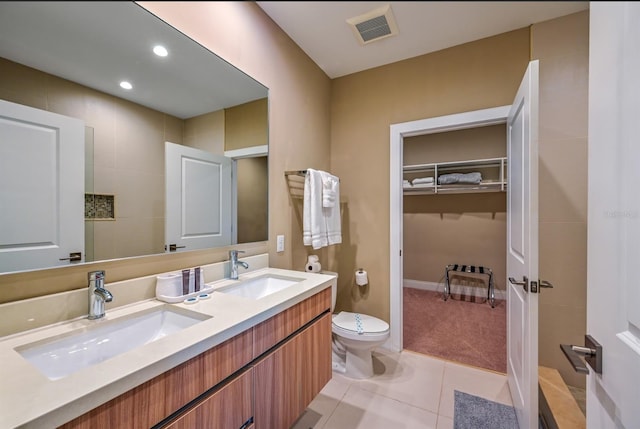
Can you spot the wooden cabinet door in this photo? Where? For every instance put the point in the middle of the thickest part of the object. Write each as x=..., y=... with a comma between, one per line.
x=288, y=378
x=228, y=408
x=315, y=345
x=277, y=400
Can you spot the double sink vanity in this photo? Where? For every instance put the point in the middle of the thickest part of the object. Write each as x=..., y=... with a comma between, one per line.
x=251, y=354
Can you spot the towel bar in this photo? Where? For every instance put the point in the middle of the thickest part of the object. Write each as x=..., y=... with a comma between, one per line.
x=301, y=173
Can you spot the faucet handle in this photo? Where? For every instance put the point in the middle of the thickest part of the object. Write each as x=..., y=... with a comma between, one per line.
x=97, y=275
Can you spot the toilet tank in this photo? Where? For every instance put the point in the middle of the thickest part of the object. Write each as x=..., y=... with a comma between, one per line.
x=334, y=287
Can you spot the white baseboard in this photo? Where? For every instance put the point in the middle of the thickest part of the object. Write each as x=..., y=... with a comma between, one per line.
x=456, y=289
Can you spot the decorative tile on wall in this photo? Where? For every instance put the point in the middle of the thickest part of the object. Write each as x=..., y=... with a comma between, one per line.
x=99, y=207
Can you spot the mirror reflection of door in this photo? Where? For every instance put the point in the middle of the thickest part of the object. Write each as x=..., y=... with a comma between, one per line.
x=41, y=188
x=198, y=199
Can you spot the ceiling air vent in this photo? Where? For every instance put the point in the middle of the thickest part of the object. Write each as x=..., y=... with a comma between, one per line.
x=374, y=25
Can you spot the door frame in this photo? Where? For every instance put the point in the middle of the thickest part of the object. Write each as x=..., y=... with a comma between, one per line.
x=458, y=121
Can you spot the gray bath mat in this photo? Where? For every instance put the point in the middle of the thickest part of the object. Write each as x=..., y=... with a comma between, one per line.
x=473, y=412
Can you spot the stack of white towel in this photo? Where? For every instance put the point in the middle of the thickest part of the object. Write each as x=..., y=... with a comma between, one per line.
x=420, y=182
x=321, y=224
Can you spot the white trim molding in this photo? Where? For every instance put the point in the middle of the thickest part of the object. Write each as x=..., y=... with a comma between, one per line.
x=247, y=152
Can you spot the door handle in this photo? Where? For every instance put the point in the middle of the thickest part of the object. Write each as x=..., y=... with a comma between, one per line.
x=524, y=283
x=545, y=284
x=73, y=257
x=174, y=247
x=592, y=352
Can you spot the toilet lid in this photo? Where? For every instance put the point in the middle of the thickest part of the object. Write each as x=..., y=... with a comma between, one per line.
x=359, y=323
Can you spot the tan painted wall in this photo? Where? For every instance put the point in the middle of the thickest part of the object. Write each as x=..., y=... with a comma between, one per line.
x=247, y=125
x=206, y=132
x=253, y=195
x=477, y=75
x=562, y=46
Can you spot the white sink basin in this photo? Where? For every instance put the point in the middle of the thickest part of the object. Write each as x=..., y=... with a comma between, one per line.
x=259, y=287
x=60, y=356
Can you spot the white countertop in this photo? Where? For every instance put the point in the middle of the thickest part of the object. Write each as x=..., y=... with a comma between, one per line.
x=28, y=399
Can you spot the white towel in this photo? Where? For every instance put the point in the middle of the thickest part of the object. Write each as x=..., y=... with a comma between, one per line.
x=406, y=184
x=422, y=185
x=421, y=180
x=329, y=185
x=321, y=226
x=332, y=214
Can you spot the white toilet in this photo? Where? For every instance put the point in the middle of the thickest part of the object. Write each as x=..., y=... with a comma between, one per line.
x=355, y=336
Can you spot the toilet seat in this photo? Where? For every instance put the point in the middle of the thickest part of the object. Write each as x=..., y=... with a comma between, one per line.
x=357, y=326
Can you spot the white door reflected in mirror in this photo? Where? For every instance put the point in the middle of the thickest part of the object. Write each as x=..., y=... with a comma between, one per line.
x=198, y=199
x=42, y=188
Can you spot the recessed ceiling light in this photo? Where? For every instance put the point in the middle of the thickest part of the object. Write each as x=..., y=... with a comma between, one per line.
x=160, y=51
x=126, y=85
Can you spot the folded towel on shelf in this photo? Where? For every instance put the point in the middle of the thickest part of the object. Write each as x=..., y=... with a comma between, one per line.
x=406, y=184
x=422, y=185
x=321, y=226
x=460, y=178
x=420, y=180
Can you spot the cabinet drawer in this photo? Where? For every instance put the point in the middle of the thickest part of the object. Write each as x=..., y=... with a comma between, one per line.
x=288, y=377
x=229, y=407
x=270, y=332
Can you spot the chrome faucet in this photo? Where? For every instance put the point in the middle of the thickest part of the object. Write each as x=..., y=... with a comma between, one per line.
x=98, y=295
x=233, y=255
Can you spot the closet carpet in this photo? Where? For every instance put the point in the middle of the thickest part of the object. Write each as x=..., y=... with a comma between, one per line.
x=465, y=332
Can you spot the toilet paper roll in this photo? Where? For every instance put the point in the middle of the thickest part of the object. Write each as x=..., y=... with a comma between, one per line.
x=313, y=267
x=312, y=258
x=361, y=277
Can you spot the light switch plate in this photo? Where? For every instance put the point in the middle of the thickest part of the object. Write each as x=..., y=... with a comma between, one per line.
x=280, y=243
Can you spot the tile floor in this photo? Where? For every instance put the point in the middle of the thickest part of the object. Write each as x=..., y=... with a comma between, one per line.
x=408, y=390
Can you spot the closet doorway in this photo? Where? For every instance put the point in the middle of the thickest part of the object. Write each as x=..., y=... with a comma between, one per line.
x=454, y=245
x=439, y=226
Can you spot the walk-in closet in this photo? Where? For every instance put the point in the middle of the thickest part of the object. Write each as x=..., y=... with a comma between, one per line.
x=454, y=245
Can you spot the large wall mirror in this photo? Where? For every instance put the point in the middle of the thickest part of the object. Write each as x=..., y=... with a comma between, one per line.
x=68, y=60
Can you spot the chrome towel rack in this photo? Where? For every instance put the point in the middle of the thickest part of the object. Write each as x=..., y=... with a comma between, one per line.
x=301, y=173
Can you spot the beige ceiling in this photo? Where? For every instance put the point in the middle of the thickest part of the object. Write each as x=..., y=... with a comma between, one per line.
x=321, y=29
